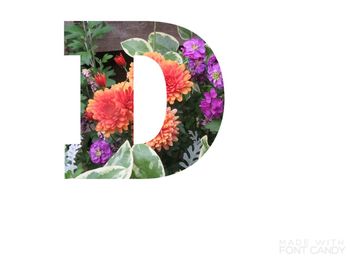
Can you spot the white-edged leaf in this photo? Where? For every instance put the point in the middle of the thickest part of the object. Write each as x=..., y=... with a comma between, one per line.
x=106, y=172
x=184, y=33
x=171, y=55
x=162, y=42
x=147, y=163
x=205, y=145
x=123, y=157
x=135, y=45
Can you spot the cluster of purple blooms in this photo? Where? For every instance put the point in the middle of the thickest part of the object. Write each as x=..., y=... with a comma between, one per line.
x=100, y=151
x=212, y=106
x=90, y=80
x=194, y=50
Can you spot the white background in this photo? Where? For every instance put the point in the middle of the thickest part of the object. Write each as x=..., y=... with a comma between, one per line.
x=278, y=170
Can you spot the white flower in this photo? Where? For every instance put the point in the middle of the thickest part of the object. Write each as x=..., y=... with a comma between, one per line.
x=70, y=157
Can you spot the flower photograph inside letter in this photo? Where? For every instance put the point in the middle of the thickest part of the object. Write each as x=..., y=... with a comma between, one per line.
x=195, y=99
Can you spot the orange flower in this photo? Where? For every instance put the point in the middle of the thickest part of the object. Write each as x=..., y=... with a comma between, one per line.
x=177, y=78
x=169, y=132
x=112, y=108
x=157, y=57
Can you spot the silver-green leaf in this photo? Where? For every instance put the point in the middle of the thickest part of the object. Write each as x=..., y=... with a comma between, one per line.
x=184, y=33
x=147, y=163
x=123, y=157
x=192, y=152
x=162, y=42
x=135, y=46
x=171, y=55
x=106, y=172
x=205, y=145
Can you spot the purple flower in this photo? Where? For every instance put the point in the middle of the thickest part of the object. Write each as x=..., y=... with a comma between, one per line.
x=211, y=106
x=100, y=152
x=86, y=73
x=90, y=80
x=214, y=74
x=194, y=48
x=212, y=60
x=196, y=66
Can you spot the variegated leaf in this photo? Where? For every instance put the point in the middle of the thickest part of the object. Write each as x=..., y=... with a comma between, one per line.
x=135, y=45
x=107, y=172
x=123, y=157
x=147, y=163
x=162, y=42
x=171, y=55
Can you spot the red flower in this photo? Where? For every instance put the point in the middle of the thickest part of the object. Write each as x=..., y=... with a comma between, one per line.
x=120, y=60
x=100, y=79
x=88, y=115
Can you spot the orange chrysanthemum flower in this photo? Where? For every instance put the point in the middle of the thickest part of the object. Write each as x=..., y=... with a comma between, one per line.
x=169, y=132
x=112, y=108
x=177, y=78
x=157, y=57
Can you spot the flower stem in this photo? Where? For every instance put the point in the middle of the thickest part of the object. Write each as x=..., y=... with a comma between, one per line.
x=88, y=43
x=154, y=33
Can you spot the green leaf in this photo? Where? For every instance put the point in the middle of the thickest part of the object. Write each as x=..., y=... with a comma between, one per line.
x=208, y=52
x=82, y=107
x=69, y=36
x=109, y=74
x=76, y=45
x=147, y=163
x=106, y=172
x=106, y=57
x=68, y=175
x=213, y=126
x=162, y=42
x=110, y=82
x=184, y=33
x=205, y=145
x=123, y=157
x=74, y=29
x=93, y=24
x=100, y=31
x=171, y=55
x=133, y=45
x=85, y=58
x=79, y=170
